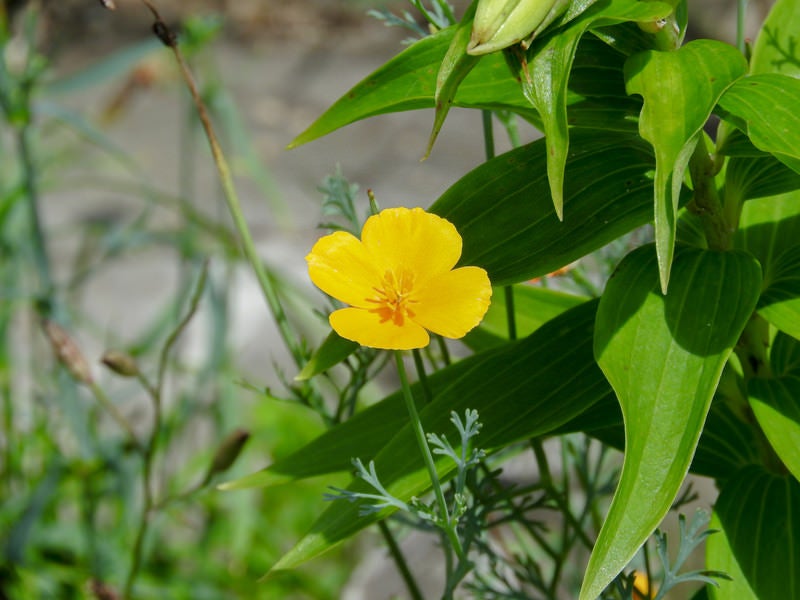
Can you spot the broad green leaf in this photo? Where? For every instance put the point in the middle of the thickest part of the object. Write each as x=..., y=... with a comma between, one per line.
x=500, y=383
x=663, y=355
x=719, y=557
x=504, y=213
x=775, y=403
x=455, y=66
x=332, y=351
x=765, y=107
x=526, y=390
x=533, y=307
x=759, y=515
x=768, y=227
x=726, y=445
x=784, y=355
x=546, y=72
x=758, y=177
x=680, y=89
x=780, y=301
x=408, y=82
x=775, y=49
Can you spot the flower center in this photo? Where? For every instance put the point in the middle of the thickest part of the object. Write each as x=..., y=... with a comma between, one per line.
x=393, y=297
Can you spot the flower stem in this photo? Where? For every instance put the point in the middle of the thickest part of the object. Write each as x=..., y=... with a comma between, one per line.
x=400, y=561
x=416, y=425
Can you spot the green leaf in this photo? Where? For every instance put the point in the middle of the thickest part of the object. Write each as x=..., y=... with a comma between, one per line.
x=759, y=515
x=719, y=557
x=504, y=213
x=408, y=82
x=555, y=361
x=784, y=355
x=680, y=89
x=533, y=307
x=775, y=49
x=764, y=107
x=527, y=389
x=663, y=356
x=780, y=301
x=758, y=177
x=546, y=72
x=455, y=66
x=727, y=444
x=332, y=351
x=775, y=405
x=768, y=227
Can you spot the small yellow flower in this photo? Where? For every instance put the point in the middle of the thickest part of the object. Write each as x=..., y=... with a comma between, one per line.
x=399, y=281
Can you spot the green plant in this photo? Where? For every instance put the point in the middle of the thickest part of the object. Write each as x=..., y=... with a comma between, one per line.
x=685, y=358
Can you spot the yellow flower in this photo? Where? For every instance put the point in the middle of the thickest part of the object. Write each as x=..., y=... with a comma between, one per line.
x=399, y=281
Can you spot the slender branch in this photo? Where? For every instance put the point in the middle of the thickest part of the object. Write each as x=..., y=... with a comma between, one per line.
x=416, y=425
x=400, y=561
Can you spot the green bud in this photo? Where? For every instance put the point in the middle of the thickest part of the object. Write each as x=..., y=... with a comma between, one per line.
x=502, y=23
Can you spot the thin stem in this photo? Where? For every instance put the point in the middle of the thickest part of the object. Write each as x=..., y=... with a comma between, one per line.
x=265, y=281
x=118, y=417
x=400, y=561
x=416, y=425
x=421, y=375
x=489, y=150
x=741, y=5
x=511, y=319
x=40, y=257
x=488, y=134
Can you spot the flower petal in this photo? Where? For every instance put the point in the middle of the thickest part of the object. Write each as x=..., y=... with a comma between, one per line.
x=342, y=267
x=454, y=302
x=412, y=239
x=366, y=328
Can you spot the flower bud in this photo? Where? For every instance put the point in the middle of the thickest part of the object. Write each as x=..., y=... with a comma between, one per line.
x=499, y=24
x=67, y=352
x=228, y=451
x=120, y=362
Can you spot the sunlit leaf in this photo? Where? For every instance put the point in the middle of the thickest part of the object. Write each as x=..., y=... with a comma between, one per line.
x=775, y=404
x=332, y=351
x=533, y=307
x=504, y=213
x=547, y=70
x=455, y=66
x=521, y=390
x=768, y=227
x=780, y=301
x=719, y=557
x=501, y=379
x=408, y=82
x=775, y=48
x=764, y=106
x=759, y=515
x=680, y=89
x=663, y=356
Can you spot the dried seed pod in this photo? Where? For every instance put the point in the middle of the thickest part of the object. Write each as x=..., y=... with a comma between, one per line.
x=228, y=451
x=67, y=352
x=120, y=362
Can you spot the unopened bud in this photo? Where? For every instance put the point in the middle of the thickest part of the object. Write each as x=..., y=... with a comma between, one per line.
x=499, y=24
x=67, y=352
x=120, y=362
x=228, y=451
